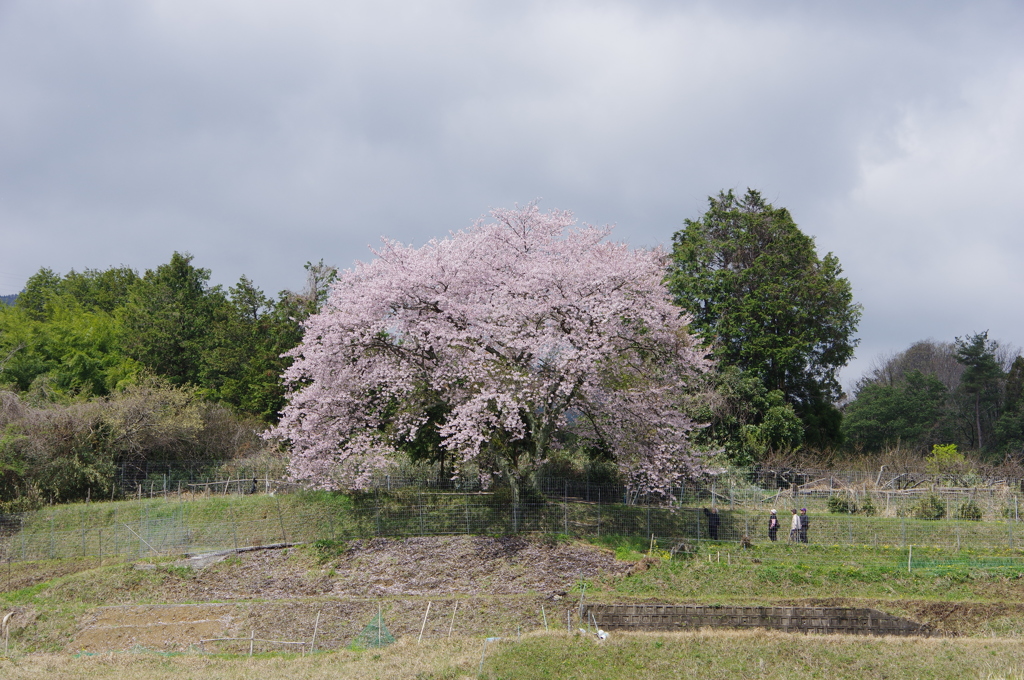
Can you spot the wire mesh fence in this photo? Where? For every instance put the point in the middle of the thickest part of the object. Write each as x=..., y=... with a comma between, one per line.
x=883, y=494
x=135, y=530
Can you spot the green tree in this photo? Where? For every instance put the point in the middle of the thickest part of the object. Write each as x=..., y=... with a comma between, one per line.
x=169, y=319
x=768, y=304
x=909, y=412
x=94, y=289
x=75, y=350
x=743, y=417
x=1014, y=390
x=245, y=359
x=100, y=290
x=37, y=291
x=981, y=381
x=1010, y=426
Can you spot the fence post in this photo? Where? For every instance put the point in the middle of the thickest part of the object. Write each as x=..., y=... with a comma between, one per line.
x=467, y=514
x=903, y=531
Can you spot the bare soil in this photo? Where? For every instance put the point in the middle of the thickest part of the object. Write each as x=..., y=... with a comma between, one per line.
x=473, y=585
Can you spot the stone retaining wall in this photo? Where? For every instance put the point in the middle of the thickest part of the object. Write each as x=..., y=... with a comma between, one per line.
x=846, y=620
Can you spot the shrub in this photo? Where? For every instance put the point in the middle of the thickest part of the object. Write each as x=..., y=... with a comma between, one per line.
x=839, y=505
x=969, y=511
x=327, y=550
x=930, y=507
x=945, y=459
x=867, y=507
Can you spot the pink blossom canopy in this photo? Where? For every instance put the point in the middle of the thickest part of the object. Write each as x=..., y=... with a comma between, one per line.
x=523, y=328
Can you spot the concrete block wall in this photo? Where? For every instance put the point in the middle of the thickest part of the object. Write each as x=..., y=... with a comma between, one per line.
x=846, y=620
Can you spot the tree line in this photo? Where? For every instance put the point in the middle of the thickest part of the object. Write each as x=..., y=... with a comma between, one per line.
x=967, y=392
x=100, y=367
x=522, y=343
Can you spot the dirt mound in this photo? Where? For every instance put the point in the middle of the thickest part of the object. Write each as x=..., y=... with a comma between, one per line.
x=466, y=565
x=382, y=567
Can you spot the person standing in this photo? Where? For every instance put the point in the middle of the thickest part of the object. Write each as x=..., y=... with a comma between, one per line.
x=794, y=528
x=773, y=526
x=804, y=522
x=713, y=521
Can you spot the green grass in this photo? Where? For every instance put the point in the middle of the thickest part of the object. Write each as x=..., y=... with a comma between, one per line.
x=722, y=572
x=710, y=655
x=752, y=654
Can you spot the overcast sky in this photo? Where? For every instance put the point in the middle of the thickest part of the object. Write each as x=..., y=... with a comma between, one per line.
x=261, y=135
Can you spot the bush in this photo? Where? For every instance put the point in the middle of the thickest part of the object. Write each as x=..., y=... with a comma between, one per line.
x=867, y=507
x=840, y=506
x=930, y=507
x=946, y=460
x=60, y=451
x=969, y=511
x=327, y=550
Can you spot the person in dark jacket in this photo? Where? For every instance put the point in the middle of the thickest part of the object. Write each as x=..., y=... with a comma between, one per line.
x=773, y=526
x=713, y=521
x=804, y=523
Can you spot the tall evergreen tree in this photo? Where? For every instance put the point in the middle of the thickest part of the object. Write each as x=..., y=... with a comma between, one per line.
x=169, y=319
x=767, y=303
x=981, y=381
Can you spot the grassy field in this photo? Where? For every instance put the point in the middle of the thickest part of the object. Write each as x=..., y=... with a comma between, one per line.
x=974, y=597
x=557, y=655
x=139, y=528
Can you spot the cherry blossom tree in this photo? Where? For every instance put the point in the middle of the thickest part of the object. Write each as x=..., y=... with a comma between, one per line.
x=494, y=342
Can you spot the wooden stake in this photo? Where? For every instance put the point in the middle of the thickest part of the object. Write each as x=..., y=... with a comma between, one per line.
x=312, y=645
x=545, y=615
x=252, y=638
x=452, y=624
x=424, y=626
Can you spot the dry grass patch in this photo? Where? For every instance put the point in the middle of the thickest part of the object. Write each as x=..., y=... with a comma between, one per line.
x=704, y=654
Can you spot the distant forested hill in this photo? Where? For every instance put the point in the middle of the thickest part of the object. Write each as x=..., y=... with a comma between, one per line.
x=8, y=299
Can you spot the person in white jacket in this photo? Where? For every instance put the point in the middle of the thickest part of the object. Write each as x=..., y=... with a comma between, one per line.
x=794, y=528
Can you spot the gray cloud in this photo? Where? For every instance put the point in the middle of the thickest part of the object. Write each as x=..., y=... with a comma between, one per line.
x=260, y=135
